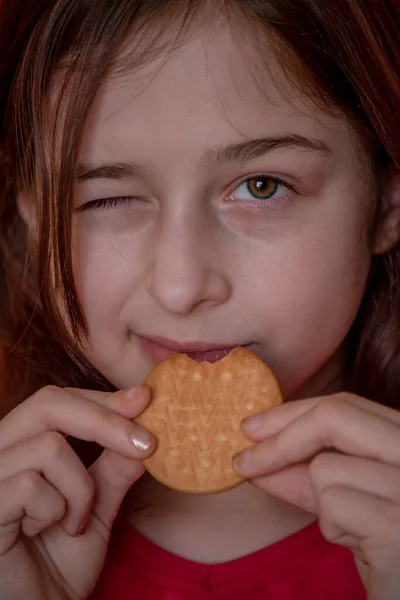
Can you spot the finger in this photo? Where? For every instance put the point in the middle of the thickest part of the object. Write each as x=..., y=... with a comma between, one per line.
x=273, y=420
x=128, y=403
x=30, y=503
x=332, y=424
x=293, y=485
x=53, y=409
x=113, y=475
x=365, y=475
x=375, y=522
x=50, y=455
x=302, y=484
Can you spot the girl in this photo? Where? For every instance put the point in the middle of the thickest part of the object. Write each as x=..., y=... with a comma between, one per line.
x=190, y=176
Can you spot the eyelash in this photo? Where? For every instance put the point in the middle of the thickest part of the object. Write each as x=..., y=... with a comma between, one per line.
x=114, y=202
x=106, y=203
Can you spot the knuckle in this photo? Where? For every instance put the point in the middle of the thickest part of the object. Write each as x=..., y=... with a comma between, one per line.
x=48, y=391
x=58, y=508
x=29, y=482
x=54, y=444
x=45, y=395
x=345, y=397
x=327, y=407
x=69, y=389
x=109, y=401
x=105, y=418
x=283, y=447
x=119, y=473
x=329, y=410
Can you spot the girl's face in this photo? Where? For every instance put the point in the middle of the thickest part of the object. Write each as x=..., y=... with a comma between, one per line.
x=237, y=215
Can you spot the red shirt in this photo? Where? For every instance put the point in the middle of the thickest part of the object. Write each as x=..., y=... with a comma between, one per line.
x=303, y=566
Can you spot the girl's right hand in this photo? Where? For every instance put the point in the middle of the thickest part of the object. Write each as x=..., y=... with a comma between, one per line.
x=48, y=497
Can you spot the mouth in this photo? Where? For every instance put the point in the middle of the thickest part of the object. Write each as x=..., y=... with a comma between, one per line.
x=157, y=349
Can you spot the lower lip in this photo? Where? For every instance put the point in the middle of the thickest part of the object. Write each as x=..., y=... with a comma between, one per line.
x=158, y=353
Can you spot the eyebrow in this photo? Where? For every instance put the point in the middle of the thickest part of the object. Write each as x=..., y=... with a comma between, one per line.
x=252, y=149
x=244, y=151
x=116, y=171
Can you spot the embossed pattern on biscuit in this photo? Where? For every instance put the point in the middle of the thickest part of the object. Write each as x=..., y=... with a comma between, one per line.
x=195, y=414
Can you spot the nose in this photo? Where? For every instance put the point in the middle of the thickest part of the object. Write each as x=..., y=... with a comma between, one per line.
x=186, y=269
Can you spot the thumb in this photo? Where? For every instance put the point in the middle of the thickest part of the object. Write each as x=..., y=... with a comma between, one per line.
x=293, y=485
x=113, y=475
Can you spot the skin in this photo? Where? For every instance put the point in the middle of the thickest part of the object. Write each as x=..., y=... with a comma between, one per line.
x=336, y=457
x=56, y=515
x=185, y=259
x=195, y=250
x=193, y=258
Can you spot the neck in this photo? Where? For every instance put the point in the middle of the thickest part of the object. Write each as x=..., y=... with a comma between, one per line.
x=211, y=528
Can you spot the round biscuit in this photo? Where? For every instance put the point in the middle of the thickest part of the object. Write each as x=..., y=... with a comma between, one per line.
x=195, y=414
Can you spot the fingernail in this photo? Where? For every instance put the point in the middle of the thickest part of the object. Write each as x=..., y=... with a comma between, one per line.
x=242, y=460
x=251, y=423
x=83, y=527
x=142, y=439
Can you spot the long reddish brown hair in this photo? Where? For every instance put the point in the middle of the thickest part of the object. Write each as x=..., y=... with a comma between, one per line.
x=54, y=54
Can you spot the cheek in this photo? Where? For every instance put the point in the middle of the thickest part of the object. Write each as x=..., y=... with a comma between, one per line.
x=308, y=297
x=107, y=269
x=319, y=301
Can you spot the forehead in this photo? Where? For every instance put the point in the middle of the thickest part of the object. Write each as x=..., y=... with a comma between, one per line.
x=218, y=82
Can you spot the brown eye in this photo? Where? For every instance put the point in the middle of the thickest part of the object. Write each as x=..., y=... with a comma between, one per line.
x=262, y=188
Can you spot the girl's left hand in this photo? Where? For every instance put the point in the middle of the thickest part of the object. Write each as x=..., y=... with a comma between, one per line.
x=337, y=457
